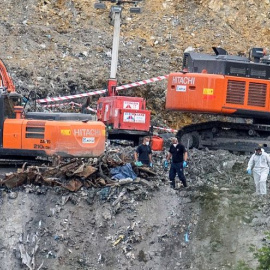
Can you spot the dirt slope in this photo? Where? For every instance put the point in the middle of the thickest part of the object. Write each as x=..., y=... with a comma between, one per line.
x=209, y=225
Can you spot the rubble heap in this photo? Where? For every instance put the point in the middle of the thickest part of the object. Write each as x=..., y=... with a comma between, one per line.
x=107, y=213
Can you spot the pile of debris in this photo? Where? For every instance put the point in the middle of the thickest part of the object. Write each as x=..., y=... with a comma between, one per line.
x=113, y=168
x=106, y=213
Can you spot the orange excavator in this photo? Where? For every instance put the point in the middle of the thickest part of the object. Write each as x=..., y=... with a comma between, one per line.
x=44, y=134
x=224, y=85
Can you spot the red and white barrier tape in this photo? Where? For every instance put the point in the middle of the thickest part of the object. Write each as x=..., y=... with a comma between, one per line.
x=159, y=78
x=62, y=104
x=70, y=103
x=55, y=99
x=92, y=110
x=98, y=92
x=166, y=129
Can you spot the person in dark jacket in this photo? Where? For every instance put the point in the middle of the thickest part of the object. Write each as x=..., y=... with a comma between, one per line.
x=143, y=153
x=178, y=154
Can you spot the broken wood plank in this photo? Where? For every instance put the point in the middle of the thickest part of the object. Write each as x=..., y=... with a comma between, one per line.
x=147, y=170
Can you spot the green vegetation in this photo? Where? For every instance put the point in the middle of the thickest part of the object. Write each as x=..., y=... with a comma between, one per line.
x=242, y=266
x=262, y=255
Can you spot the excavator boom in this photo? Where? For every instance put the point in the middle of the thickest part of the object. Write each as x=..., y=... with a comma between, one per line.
x=6, y=81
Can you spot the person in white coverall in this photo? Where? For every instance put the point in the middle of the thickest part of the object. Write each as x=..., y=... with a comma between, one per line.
x=259, y=163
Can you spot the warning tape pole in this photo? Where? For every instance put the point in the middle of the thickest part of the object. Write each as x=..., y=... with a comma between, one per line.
x=99, y=92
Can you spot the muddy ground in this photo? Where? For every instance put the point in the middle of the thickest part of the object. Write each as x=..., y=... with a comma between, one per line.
x=209, y=225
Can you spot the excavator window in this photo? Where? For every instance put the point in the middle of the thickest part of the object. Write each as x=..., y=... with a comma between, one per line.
x=9, y=102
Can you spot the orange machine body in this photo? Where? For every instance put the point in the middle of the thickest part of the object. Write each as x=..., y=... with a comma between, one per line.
x=223, y=84
x=65, y=138
x=220, y=94
x=44, y=134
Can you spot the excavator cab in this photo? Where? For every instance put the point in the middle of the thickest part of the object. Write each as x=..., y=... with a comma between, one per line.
x=10, y=100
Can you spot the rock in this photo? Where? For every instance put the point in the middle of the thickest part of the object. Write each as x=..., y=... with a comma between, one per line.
x=12, y=195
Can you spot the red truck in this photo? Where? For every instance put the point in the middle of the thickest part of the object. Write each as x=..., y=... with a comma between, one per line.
x=126, y=118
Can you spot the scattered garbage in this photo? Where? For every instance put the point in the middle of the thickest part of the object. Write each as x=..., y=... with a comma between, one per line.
x=76, y=173
x=104, y=211
x=122, y=172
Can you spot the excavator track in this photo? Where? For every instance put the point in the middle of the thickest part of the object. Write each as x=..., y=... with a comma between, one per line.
x=235, y=137
x=19, y=162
